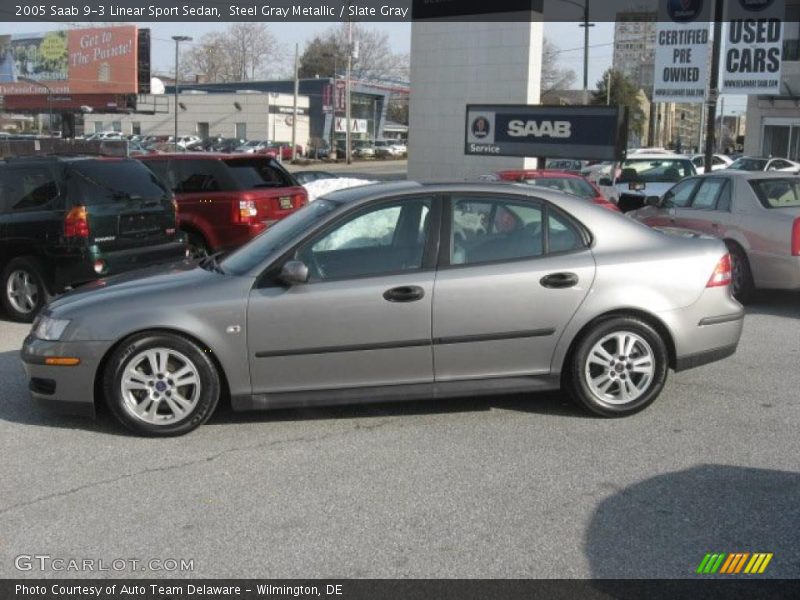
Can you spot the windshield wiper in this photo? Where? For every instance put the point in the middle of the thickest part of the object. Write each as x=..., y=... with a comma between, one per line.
x=211, y=263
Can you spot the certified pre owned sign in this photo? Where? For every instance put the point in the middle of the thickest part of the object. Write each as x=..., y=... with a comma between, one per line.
x=590, y=132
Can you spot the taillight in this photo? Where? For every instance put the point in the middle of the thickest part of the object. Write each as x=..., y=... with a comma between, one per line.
x=722, y=273
x=300, y=199
x=247, y=211
x=796, y=237
x=76, y=223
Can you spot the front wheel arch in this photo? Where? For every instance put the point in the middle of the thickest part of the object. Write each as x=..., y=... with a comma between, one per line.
x=103, y=365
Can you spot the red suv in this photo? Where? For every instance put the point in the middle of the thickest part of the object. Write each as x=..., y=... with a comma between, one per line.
x=225, y=200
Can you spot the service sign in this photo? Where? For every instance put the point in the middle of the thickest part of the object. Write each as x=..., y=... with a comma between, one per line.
x=96, y=60
x=682, y=50
x=751, y=59
x=582, y=132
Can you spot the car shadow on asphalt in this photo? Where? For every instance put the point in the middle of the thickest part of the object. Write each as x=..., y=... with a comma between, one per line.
x=778, y=303
x=664, y=526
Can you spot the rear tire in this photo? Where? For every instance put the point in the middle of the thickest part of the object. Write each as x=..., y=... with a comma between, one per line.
x=24, y=292
x=161, y=384
x=618, y=368
x=198, y=247
x=742, y=285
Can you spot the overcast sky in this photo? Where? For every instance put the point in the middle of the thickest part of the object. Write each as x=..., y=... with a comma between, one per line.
x=567, y=36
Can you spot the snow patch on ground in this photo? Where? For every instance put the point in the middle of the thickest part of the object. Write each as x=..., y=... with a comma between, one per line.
x=320, y=187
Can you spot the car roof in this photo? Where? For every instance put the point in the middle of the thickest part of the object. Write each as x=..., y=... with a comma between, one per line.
x=751, y=174
x=535, y=173
x=203, y=156
x=647, y=156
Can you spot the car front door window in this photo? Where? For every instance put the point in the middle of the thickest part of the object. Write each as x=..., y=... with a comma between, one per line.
x=383, y=240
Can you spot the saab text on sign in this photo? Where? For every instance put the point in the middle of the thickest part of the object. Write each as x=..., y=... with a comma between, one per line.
x=584, y=132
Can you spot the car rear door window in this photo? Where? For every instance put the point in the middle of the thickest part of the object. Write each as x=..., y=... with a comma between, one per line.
x=707, y=193
x=387, y=239
x=486, y=230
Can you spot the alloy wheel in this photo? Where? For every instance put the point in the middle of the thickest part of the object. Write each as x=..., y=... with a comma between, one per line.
x=160, y=386
x=619, y=368
x=22, y=291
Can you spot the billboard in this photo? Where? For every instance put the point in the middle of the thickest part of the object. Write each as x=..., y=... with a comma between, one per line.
x=682, y=51
x=751, y=61
x=586, y=132
x=96, y=60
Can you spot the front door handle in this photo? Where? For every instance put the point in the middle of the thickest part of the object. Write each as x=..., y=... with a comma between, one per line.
x=558, y=281
x=406, y=293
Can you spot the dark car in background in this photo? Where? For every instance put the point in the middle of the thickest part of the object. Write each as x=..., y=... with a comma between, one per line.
x=225, y=200
x=68, y=221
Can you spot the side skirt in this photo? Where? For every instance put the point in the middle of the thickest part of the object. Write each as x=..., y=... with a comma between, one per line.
x=396, y=393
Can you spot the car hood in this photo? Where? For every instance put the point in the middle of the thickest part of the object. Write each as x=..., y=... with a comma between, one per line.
x=143, y=282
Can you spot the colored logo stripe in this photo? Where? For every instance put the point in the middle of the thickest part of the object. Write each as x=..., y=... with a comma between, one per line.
x=734, y=563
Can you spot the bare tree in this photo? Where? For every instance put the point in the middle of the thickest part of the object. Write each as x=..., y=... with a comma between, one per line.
x=554, y=77
x=243, y=52
x=374, y=57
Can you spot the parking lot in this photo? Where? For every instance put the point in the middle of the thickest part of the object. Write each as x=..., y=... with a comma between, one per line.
x=502, y=487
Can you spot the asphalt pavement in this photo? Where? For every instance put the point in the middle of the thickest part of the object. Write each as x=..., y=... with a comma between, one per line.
x=513, y=486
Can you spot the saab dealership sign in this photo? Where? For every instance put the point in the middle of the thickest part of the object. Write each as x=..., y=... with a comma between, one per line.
x=585, y=132
x=682, y=51
x=751, y=61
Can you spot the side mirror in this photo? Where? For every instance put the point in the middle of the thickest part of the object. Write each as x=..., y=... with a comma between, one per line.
x=605, y=182
x=653, y=201
x=294, y=272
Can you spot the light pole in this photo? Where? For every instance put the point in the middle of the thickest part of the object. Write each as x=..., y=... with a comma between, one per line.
x=332, y=149
x=585, y=7
x=178, y=39
x=49, y=100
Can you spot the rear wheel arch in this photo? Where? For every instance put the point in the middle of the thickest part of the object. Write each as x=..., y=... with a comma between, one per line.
x=103, y=365
x=645, y=316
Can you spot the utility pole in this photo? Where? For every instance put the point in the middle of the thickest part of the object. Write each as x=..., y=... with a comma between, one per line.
x=586, y=26
x=608, y=87
x=713, y=92
x=721, y=124
x=178, y=39
x=348, y=108
x=296, y=92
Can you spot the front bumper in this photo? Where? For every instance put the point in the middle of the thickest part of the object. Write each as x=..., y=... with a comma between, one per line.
x=68, y=390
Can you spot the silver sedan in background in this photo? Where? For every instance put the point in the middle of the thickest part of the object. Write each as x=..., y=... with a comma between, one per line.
x=756, y=214
x=395, y=292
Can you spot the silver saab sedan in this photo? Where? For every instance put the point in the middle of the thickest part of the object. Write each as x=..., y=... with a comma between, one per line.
x=396, y=292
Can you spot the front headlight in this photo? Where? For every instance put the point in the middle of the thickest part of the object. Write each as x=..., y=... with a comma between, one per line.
x=49, y=329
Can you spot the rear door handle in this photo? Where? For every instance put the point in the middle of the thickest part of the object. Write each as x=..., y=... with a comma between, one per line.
x=559, y=281
x=406, y=293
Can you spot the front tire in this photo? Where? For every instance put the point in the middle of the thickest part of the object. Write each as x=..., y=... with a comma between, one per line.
x=24, y=292
x=161, y=384
x=618, y=368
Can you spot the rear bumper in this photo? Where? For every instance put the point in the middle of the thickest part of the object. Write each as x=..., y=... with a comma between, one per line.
x=707, y=331
x=72, y=270
x=68, y=390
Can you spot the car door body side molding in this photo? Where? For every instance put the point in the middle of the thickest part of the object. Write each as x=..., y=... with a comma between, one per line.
x=491, y=386
x=464, y=339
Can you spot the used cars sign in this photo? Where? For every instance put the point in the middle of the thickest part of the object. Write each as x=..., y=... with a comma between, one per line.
x=588, y=132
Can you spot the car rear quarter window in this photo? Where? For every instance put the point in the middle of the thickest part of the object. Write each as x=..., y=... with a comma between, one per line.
x=777, y=193
x=257, y=172
x=28, y=188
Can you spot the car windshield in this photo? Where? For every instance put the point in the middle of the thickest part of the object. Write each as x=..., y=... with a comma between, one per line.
x=777, y=193
x=248, y=256
x=749, y=164
x=570, y=185
x=105, y=181
x=655, y=170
